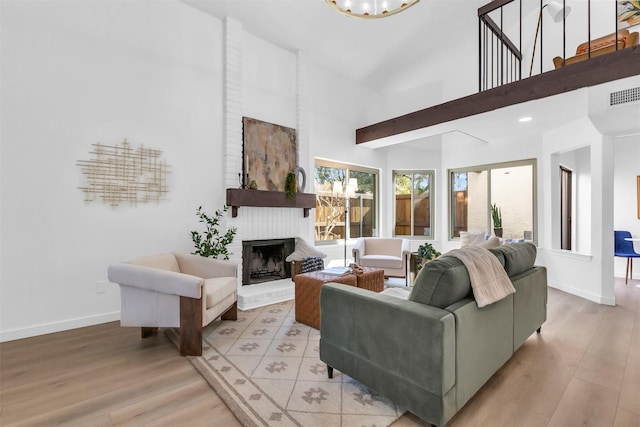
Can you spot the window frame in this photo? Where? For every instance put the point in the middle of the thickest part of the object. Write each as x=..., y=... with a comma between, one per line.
x=348, y=167
x=432, y=199
x=533, y=162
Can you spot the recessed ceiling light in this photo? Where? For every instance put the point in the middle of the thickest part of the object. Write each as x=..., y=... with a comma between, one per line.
x=525, y=119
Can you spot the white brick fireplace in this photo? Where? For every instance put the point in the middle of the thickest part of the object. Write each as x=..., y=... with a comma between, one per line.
x=257, y=223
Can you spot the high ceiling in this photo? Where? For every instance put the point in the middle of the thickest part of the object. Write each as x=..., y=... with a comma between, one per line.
x=398, y=53
x=378, y=53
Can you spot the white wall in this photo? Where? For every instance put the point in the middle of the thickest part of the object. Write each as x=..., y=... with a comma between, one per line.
x=78, y=73
x=269, y=82
x=625, y=171
x=588, y=274
x=336, y=109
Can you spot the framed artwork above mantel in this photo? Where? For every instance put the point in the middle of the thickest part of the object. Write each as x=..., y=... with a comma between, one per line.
x=269, y=154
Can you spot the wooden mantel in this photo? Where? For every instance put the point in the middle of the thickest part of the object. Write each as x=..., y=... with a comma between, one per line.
x=237, y=197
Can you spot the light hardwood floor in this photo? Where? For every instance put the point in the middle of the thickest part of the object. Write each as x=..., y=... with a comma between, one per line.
x=583, y=370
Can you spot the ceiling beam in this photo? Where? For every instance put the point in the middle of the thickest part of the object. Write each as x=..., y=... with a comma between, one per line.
x=602, y=69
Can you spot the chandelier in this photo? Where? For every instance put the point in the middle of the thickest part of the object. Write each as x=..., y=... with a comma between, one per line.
x=369, y=9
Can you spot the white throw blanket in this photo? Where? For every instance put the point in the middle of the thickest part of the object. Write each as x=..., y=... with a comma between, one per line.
x=489, y=281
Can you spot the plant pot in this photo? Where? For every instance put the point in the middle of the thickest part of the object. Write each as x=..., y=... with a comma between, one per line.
x=497, y=232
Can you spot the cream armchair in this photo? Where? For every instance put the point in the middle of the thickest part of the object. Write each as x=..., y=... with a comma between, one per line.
x=176, y=290
x=390, y=254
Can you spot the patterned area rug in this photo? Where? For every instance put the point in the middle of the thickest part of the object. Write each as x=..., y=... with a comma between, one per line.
x=266, y=368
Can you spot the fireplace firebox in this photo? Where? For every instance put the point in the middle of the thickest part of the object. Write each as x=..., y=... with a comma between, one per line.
x=264, y=260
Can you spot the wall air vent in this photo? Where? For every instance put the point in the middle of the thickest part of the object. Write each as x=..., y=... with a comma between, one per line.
x=625, y=96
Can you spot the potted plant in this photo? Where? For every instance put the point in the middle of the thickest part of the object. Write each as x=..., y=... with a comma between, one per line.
x=496, y=215
x=426, y=252
x=290, y=187
x=212, y=242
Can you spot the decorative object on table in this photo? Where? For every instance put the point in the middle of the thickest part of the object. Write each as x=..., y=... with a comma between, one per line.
x=213, y=242
x=253, y=185
x=628, y=13
x=119, y=173
x=426, y=252
x=496, y=216
x=269, y=153
x=290, y=187
x=355, y=268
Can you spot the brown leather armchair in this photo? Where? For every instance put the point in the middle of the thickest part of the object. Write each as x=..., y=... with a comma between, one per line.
x=600, y=46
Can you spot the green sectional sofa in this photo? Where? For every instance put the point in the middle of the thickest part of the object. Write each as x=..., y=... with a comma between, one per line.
x=431, y=353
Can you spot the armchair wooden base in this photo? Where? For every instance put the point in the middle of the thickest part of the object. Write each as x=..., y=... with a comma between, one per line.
x=191, y=325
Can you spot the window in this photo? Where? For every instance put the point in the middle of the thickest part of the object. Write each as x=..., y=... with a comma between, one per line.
x=413, y=203
x=566, y=181
x=344, y=188
x=511, y=186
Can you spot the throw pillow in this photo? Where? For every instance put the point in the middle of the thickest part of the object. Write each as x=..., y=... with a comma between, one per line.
x=472, y=237
x=491, y=242
x=304, y=250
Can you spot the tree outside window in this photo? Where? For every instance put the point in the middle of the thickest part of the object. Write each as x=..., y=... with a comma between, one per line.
x=333, y=181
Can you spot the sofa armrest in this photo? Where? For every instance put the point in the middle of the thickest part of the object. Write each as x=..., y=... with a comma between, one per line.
x=377, y=337
x=358, y=250
x=204, y=267
x=406, y=249
x=156, y=280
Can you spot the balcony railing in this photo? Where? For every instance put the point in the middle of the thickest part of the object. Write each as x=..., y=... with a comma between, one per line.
x=514, y=34
x=500, y=59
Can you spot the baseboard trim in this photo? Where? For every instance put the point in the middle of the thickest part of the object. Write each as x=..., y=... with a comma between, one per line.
x=582, y=294
x=48, y=328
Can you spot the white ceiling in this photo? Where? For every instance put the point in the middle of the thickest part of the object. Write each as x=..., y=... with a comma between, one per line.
x=380, y=52
x=374, y=52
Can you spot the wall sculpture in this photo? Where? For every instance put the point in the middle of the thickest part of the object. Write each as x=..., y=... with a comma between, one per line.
x=119, y=173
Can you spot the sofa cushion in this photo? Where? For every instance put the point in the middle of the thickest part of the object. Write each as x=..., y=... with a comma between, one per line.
x=381, y=261
x=166, y=262
x=518, y=257
x=605, y=41
x=441, y=282
x=217, y=289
